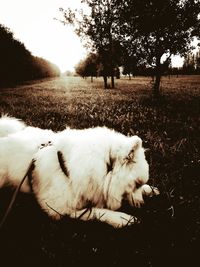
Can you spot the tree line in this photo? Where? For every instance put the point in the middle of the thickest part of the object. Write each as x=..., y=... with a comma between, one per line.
x=191, y=63
x=17, y=64
x=91, y=66
x=136, y=33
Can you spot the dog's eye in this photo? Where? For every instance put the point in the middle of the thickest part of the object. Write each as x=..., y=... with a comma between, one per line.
x=129, y=160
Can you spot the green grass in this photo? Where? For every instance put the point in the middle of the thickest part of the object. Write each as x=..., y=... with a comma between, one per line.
x=169, y=128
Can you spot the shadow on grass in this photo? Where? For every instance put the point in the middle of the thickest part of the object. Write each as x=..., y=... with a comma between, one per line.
x=30, y=238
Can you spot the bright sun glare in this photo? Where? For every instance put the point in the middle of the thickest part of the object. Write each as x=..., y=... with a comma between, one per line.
x=33, y=23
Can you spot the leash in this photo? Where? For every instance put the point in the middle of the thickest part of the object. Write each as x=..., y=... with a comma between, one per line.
x=28, y=174
x=14, y=196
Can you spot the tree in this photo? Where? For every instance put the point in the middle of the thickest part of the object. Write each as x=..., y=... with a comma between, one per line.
x=98, y=31
x=88, y=66
x=198, y=62
x=153, y=29
x=189, y=64
x=130, y=65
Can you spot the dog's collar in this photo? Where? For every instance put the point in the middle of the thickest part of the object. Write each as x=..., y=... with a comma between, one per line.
x=61, y=161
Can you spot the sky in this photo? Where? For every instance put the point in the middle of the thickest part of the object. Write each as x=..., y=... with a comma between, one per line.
x=33, y=23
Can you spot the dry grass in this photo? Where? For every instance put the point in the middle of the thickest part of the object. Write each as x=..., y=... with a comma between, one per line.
x=169, y=128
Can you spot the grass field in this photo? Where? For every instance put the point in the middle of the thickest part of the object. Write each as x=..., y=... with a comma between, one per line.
x=170, y=130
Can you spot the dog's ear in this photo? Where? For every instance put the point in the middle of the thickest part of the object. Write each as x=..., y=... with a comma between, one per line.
x=135, y=144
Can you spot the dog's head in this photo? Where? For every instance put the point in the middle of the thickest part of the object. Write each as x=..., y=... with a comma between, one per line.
x=127, y=171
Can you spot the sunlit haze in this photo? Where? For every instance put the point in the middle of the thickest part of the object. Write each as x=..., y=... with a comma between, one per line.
x=33, y=23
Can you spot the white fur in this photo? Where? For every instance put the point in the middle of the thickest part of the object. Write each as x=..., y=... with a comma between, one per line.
x=10, y=125
x=87, y=155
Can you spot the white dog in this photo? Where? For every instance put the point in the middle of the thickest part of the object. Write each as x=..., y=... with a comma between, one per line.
x=81, y=173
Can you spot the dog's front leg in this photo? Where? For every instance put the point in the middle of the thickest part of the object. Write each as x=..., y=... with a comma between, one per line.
x=114, y=218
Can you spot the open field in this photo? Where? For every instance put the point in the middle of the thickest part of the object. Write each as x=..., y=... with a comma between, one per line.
x=170, y=129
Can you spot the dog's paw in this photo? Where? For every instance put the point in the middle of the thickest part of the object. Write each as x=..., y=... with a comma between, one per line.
x=120, y=219
x=150, y=190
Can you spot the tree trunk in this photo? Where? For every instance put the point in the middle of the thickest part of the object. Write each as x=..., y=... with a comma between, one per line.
x=112, y=81
x=117, y=73
x=105, y=82
x=111, y=56
x=156, y=86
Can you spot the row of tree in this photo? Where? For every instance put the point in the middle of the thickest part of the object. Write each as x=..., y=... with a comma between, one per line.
x=91, y=66
x=17, y=64
x=191, y=63
x=145, y=31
